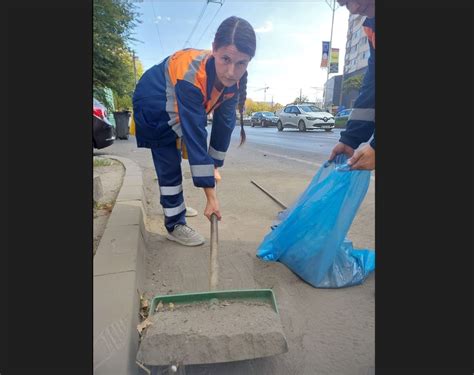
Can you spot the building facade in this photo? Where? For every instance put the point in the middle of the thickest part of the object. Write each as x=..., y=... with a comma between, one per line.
x=332, y=91
x=356, y=57
x=357, y=45
x=355, y=64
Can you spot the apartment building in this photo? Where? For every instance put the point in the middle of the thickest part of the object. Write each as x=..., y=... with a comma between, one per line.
x=356, y=57
x=355, y=63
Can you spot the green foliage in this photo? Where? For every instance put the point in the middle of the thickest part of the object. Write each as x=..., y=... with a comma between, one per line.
x=124, y=102
x=304, y=99
x=252, y=107
x=113, y=23
x=278, y=107
x=352, y=83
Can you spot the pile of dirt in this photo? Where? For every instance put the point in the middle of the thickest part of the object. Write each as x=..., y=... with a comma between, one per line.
x=211, y=332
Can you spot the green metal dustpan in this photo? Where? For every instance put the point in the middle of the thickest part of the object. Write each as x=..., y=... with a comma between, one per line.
x=212, y=327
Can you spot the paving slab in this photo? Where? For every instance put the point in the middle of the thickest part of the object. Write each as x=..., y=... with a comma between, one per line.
x=115, y=320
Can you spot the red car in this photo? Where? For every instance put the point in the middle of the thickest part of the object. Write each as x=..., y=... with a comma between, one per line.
x=103, y=133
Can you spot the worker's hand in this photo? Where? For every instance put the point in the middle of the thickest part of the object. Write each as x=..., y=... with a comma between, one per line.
x=341, y=148
x=363, y=159
x=212, y=205
x=217, y=175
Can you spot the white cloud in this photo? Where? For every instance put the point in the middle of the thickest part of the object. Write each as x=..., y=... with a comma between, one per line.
x=266, y=28
x=158, y=19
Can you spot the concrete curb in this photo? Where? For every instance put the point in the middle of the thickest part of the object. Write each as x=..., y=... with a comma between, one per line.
x=118, y=274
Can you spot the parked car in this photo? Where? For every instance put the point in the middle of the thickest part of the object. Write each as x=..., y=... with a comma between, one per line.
x=103, y=133
x=263, y=119
x=305, y=117
x=340, y=120
x=247, y=120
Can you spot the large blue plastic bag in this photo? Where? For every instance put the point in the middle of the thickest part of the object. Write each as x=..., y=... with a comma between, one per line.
x=310, y=237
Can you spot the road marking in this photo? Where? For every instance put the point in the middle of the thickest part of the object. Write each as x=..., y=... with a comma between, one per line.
x=372, y=178
x=289, y=158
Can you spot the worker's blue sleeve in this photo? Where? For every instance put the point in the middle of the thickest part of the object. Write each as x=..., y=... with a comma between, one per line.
x=223, y=123
x=361, y=124
x=193, y=118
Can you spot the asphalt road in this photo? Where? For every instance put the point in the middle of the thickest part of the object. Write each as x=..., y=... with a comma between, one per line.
x=309, y=146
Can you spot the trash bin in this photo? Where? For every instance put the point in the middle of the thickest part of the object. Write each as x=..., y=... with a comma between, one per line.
x=121, y=124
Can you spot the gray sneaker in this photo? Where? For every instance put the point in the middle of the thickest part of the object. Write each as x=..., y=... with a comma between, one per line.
x=185, y=236
x=191, y=212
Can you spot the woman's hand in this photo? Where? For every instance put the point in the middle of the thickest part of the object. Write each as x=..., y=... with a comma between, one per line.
x=363, y=159
x=212, y=206
x=341, y=148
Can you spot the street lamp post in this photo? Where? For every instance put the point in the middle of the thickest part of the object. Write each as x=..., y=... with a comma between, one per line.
x=333, y=8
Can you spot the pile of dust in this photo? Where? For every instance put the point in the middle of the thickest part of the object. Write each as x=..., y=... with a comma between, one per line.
x=212, y=332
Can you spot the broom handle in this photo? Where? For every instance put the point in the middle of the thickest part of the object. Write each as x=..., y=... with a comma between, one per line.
x=214, y=267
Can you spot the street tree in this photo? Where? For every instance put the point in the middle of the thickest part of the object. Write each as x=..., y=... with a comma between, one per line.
x=252, y=107
x=302, y=99
x=352, y=83
x=124, y=101
x=113, y=23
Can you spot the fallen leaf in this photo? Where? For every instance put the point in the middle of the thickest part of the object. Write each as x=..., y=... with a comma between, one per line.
x=171, y=306
x=146, y=323
x=159, y=307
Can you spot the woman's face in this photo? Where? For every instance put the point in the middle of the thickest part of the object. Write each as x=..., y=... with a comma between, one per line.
x=231, y=64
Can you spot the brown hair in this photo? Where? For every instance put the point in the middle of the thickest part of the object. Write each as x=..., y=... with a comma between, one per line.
x=239, y=32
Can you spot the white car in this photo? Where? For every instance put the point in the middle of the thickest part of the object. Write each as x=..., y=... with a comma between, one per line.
x=305, y=117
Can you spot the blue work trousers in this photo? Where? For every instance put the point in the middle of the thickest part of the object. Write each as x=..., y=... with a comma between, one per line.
x=167, y=160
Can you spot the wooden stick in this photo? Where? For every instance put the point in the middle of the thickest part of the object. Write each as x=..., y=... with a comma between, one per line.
x=213, y=266
x=271, y=196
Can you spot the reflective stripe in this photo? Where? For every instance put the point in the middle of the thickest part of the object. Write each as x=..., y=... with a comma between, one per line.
x=193, y=68
x=177, y=129
x=218, y=155
x=206, y=170
x=171, y=190
x=171, y=103
x=364, y=114
x=175, y=210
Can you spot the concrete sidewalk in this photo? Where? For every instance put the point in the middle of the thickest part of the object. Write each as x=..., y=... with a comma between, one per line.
x=328, y=331
x=118, y=273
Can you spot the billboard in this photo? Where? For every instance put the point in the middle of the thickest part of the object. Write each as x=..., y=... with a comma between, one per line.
x=325, y=55
x=334, y=64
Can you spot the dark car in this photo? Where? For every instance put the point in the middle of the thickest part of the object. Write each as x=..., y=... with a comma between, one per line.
x=340, y=120
x=263, y=119
x=103, y=133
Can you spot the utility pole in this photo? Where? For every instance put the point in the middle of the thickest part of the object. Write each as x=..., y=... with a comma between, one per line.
x=134, y=67
x=300, y=94
x=333, y=8
x=264, y=92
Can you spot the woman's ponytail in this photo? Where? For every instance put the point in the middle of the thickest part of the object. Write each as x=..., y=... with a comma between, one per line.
x=241, y=105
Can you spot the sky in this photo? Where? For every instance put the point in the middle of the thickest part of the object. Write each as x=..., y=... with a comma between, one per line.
x=289, y=39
